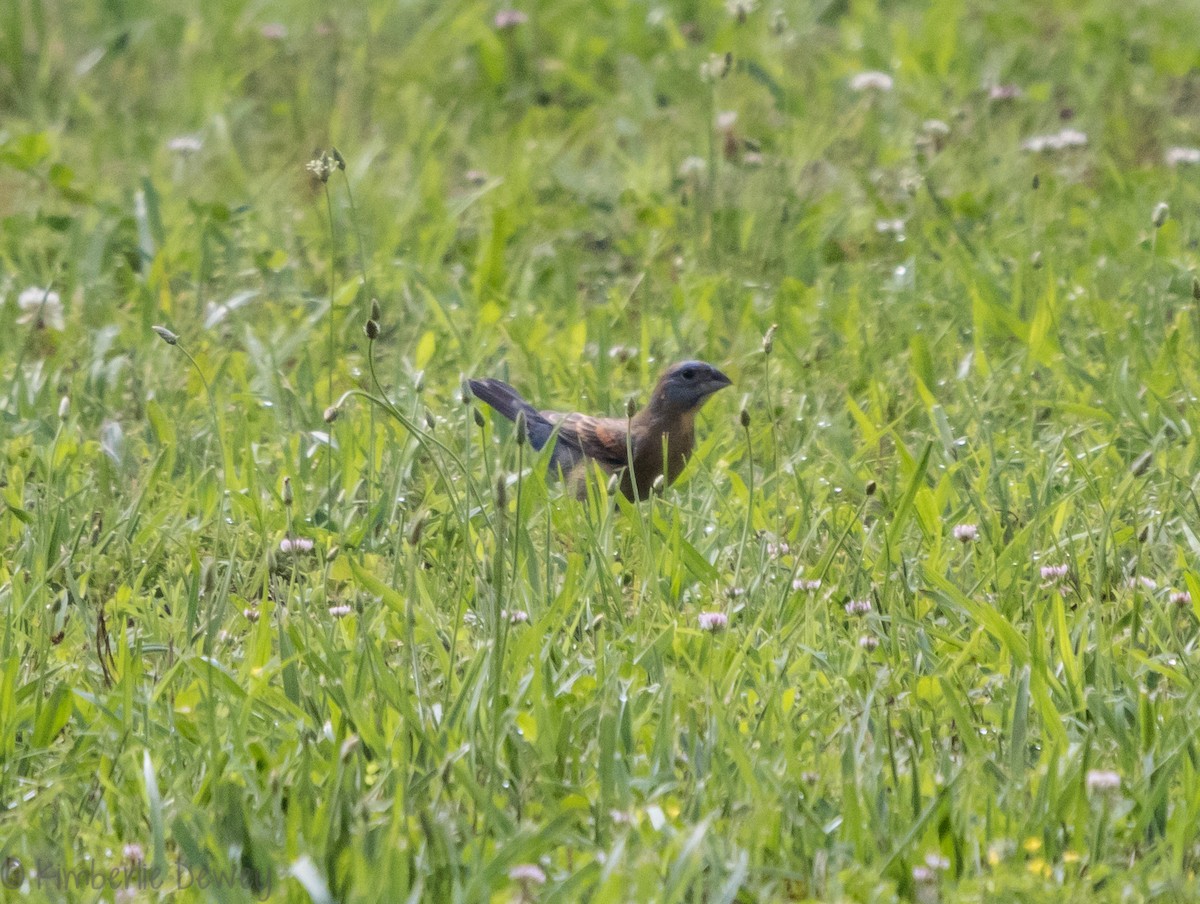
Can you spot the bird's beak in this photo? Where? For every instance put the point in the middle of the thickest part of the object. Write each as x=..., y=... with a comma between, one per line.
x=718, y=380
x=715, y=382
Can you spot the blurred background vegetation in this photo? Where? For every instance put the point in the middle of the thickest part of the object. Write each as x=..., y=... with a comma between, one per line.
x=949, y=210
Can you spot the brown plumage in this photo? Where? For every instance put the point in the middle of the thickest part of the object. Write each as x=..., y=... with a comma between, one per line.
x=668, y=420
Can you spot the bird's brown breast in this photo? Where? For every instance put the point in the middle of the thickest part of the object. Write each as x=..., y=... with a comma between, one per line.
x=660, y=448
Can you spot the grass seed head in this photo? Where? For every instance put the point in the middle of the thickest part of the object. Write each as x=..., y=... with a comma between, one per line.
x=768, y=342
x=166, y=335
x=418, y=528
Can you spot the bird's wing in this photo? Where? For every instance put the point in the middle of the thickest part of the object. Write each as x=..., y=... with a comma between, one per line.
x=599, y=438
x=579, y=436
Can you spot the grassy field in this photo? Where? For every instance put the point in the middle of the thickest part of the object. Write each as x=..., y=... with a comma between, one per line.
x=947, y=517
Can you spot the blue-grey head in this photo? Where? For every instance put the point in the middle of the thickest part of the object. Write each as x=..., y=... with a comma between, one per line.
x=685, y=386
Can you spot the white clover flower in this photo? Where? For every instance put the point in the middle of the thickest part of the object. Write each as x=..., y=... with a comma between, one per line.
x=527, y=874
x=1073, y=138
x=858, y=607
x=290, y=545
x=1057, y=141
x=1001, y=93
x=713, y=621
x=42, y=307
x=623, y=353
x=1054, y=573
x=1102, y=781
x=692, y=166
x=1182, y=156
x=185, y=145
x=966, y=533
x=716, y=67
x=509, y=18
x=936, y=861
x=872, y=81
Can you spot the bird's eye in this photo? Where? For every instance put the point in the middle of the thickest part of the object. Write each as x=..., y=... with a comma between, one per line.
x=688, y=373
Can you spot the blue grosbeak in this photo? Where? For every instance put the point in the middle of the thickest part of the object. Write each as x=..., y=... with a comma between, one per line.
x=660, y=436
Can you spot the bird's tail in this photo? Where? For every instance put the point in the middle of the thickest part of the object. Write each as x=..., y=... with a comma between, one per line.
x=508, y=402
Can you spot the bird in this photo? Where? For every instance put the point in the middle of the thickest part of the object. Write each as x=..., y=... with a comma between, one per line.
x=659, y=436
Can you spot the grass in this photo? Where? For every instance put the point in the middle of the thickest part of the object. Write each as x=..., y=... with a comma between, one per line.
x=468, y=677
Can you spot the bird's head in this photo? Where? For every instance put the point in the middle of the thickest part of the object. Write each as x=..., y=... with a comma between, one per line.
x=684, y=387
